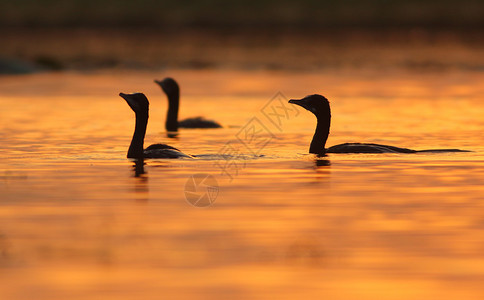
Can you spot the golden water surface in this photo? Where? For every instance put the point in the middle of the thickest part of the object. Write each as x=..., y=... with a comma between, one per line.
x=76, y=223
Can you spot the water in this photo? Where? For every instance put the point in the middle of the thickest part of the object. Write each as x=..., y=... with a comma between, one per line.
x=77, y=223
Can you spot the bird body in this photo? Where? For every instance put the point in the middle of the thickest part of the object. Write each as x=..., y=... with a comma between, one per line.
x=170, y=87
x=367, y=148
x=140, y=105
x=320, y=107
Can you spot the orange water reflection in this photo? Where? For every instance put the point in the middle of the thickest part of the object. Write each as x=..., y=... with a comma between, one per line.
x=75, y=221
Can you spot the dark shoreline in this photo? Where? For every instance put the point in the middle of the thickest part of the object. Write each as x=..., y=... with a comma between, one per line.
x=257, y=48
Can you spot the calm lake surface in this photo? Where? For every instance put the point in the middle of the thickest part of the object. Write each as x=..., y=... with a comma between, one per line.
x=77, y=223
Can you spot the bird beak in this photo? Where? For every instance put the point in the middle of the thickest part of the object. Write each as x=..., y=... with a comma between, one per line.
x=157, y=81
x=300, y=102
x=303, y=103
x=124, y=96
x=129, y=100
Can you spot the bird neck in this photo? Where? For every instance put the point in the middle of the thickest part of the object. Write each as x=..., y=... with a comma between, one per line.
x=320, y=136
x=172, y=114
x=136, y=147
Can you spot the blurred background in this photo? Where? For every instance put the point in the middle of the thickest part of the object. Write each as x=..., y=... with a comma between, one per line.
x=305, y=35
x=77, y=224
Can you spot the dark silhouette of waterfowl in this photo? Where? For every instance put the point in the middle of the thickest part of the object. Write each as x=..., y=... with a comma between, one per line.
x=319, y=106
x=140, y=105
x=172, y=91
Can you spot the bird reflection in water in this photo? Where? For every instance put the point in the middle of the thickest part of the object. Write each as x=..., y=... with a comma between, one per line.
x=322, y=162
x=172, y=135
x=323, y=169
x=139, y=167
x=141, y=185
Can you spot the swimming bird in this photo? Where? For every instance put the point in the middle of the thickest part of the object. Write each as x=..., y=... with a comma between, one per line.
x=319, y=106
x=140, y=105
x=172, y=91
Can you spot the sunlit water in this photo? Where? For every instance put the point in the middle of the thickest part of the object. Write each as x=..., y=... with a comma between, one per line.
x=76, y=223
